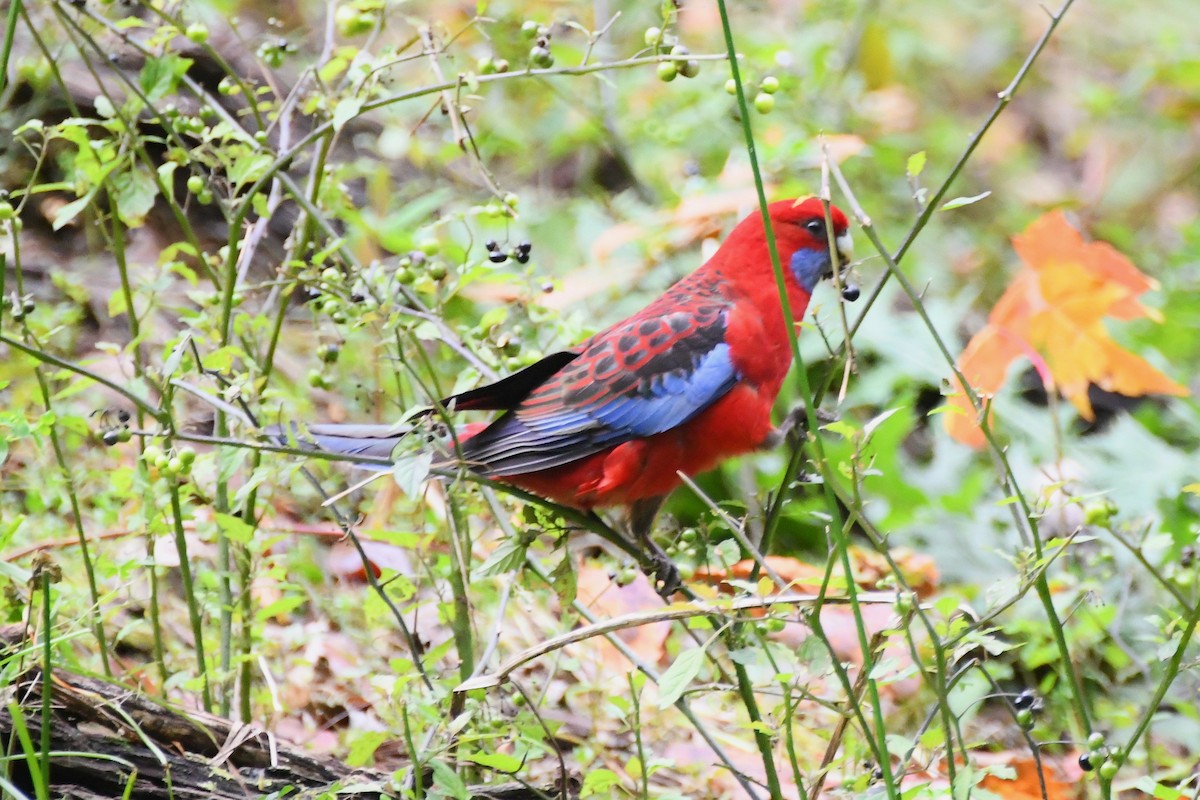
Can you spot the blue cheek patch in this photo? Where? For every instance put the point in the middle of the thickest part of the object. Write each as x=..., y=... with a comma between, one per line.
x=808, y=265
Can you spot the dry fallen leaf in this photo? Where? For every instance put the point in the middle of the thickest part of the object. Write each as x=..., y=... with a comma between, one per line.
x=596, y=590
x=1025, y=784
x=869, y=567
x=1053, y=314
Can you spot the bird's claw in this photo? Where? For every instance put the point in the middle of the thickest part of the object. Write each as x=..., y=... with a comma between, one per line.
x=666, y=575
x=795, y=423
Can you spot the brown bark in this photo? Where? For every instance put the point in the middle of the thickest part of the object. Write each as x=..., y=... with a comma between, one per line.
x=104, y=736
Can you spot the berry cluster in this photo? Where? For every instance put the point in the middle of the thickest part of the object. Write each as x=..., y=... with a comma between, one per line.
x=681, y=63
x=764, y=100
x=498, y=256
x=540, y=56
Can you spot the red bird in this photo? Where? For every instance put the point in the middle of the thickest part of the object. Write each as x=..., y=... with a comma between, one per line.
x=681, y=385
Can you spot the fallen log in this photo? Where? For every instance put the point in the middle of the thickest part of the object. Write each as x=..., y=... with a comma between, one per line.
x=110, y=741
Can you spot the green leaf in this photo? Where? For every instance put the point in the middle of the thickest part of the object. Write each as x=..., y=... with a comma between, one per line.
x=160, y=77
x=134, y=192
x=508, y=555
x=171, y=366
x=362, y=749
x=565, y=581
x=447, y=782
x=116, y=304
x=248, y=168
x=959, y=202
x=346, y=110
x=104, y=107
x=281, y=607
x=411, y=470
x=1156, y=790
x=841, y=428
x=599, y=782
x=876, y=421
x=235, y=529
x=71, y=210
x=500, y=762
x=679, y=676
x=916, y=163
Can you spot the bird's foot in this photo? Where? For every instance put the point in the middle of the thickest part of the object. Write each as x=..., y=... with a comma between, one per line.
x=794, y=424
x=666, y=575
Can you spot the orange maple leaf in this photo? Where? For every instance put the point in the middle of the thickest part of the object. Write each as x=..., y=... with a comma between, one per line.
x=1053, y=313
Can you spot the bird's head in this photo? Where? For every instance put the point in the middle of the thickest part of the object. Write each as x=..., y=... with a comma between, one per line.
x=802, y=236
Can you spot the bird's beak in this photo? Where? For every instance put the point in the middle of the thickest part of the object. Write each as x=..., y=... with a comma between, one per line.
x=845, y=249
x=845, y=254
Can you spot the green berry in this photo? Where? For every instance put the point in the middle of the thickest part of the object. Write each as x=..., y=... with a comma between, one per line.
x=124, y=434
x=1096, y=741
x=187, y=456
x=152, y=453
x=769, y=84
x=204, y=198
x=501, y=65
x=689, y=68
x=540, y=57
x=6, y=211
x=653, y=36
x=731, y=87
x=529, y=29
x=667, y=71
x=160, y=462
x=197, y=32
x=1100, y=513
x=329, y=353
x=175, y=466
x=1025, y=719
x=316, y=379
x=437, y=271
x=1108, y=770
x=764, y=103
x=680, y=52
x=485, y=66
x=195, y=184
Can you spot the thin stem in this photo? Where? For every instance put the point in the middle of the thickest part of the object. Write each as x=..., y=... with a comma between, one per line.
x=189, y=591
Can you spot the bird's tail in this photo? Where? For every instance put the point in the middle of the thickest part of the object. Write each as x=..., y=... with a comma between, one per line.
x=368, y=441
x=365, y=440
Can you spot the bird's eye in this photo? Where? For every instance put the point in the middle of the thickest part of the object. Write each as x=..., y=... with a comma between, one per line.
x=816, y=227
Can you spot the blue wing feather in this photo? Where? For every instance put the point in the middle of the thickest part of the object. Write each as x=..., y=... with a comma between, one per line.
x=639, y=378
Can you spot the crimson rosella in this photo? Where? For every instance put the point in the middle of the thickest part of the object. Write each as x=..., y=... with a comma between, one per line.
x=678, y=387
